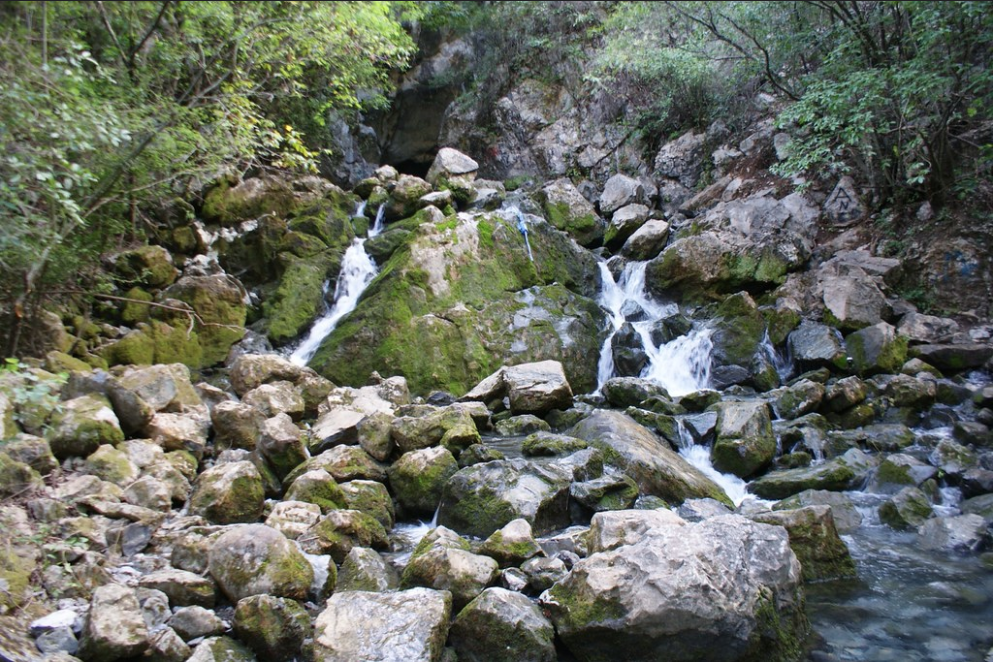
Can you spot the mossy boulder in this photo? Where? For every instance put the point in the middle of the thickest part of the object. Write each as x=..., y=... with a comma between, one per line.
x=228, y=493
x=258, y=560
x=156, y=342
x=112, y=465
x=502, y=626
x=745, y=442
x=876, y=349
x=548, y=444
x=823, y=555
x=512, y=545
x=738, y=331
x=839, y=474
x=341, y=530
x=318, y=487
x=231, y=201
x=437, y=312
x=219, y=301
x=85, y=424
x=365, y=570
x=451, y=426
x=299, y=297
x=274, y=628
x=418, y=478
x=442, y=560
x=32, y=451
x=567, y=209
x=17, y=478
x=135, y=310
x=906, y=510
x=150, y=266
x=17, y=564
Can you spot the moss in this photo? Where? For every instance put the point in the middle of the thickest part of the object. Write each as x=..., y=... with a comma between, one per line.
x=545, y=445
x=298, y=299
x=486, y=234
x=890, y=473
x=479, y=514
x=580, y=608
x=327, y=495
x=16, y=478
x=135, y=348
x=176, y=345
x=15, y=577
x=778, y=637
x=132, y=313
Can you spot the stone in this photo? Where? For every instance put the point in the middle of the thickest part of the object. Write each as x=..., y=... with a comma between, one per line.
x=151, y=266
x=647, y=241
x=365, y=570
x=58, y=640
x=343, y=463
x=181, y=587
x=249, y=371
x=611, y=530
x=114, y=629
x=112, y=465
x=797, y=399
x=221, y=649
x=533, y=388
x=293, y=518
x=813, y=345
x=228, y=493
x=449, y=425
x=744, y=443
x=619, y=191
x=838, y=474
x=566, y=209
x=405, y=626
x=163, y=387
x=482, y=498
x=636, y=451
x=256, y=559
x=338, y=426
x=86, y=423
x=906, y=510
x=443, y=561
x=897, y=471
x=276, y=398
x=682, y=159
x=963, y=534
x=845, y=394
x=281, y=444
x=372, y=498
x=926, y=329
x=180, y=432
x=17, y=478
x=846, y=516
x=316, y=487
x=502, y=626
x=236, y=425
x=274, y=628
x=853, y=302
x=548, y=444
x=876, y=349
x=193, y=622
x=33, y=451
x=418, y=479
x=219, y=300
x=518, y=426
x=339, y=531
x=844, y=207
x=954, y=358
x=823, y=555
x=164, y=645
x=726, y=584
x=511, y=545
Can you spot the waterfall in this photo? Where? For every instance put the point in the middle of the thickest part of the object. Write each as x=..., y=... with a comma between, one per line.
x=357, y=271
x=699, y=457
x=680, y=366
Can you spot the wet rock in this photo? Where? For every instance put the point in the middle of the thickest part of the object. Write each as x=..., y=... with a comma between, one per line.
x=853, y=301
x=114, y=629
x=511, y=545
x=372, y=498
x=631, y=391
x=482, y=498
x=502, y=625
x=619, y=191
x=567, y=209
x=876, y=349
x=611, y=530
x=256, y=559
x=548, y=444
x=897, y=471
x=236, y=425
x=365, y=570
x=517, y=426
x=623, y=223
x=744, y=443
x=639, y=453
x=449, y=426
x=839, y=474
x=281, y=444
x=543, y=572
x=181, y=587
x=533, y=388
x=612, y=602
x=798, y=399
x=964, y=534
x=442, y=560
x=926, y=329
x=339, y=531
x=274, y=628
x=418, y=479
x=610, y=492
x=221, y=649
x=953, y=358
x=228, y=493
x=822, y=553
x=814, y=345
x=846, y=517
x=697, y=510
x=906, y=510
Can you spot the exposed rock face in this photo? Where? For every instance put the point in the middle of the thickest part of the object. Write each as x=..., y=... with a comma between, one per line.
x=639, y=453
x=407, y=626
x=726, y=586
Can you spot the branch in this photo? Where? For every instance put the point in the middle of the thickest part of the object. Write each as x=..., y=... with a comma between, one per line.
x=113, y=35
x=148, y=33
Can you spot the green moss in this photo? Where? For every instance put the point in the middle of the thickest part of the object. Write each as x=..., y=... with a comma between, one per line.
x=486, y=234
x=15, y=577
x=581, y=608
x=890, y=473
x=16, y=478
x=132, y=313
x=298, y=299
x=778, y=637
x=480, y=513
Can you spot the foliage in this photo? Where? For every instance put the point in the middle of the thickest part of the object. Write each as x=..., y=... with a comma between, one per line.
x=106, y=106
x=31, y=393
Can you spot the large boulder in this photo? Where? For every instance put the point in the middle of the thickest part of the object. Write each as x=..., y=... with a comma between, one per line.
x=406, y=626
x=503, y=626
x=838, y=474
x=115, y=628
x=220, y=302
x=876, y=349
x=742, y=244
x=814, y=345
x=823, y=555
x=639, y=453
x=745, y=442
x=438, y=311
x=620, y=191
x=258, y=560
x=418, y=478
x=228, y=493
x=726, y=588
x=275, y=628
x=567, y=209
x=532, y=388
x=442, y=560
x=484, y=497
x=853, y=301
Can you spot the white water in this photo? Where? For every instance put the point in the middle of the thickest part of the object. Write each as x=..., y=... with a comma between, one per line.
x=357, y=271
x=680, y=366
x=699, y=457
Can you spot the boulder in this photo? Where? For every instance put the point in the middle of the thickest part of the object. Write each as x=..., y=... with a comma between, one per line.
x=624, y=223
x=418, y=479
x=823, y=555
x=449, y=426
x=274, y=628
x=838, y=474
x=293, y=518
x=533, y=388
x=482, y=498
x=567, y=209
x=405, y=626
x=640, y=454
x=276, y=398
x=220, y=304
x=442, y=560
x=365, y=570
x=963, y=534
x=647, y=241
x=502, y=626
x=846, y=516
x=853, y=301
x=512, y=545
x=926, y=329
x=813, y=345
x=249, y=371
x=372, y=498
x=256, y=559
x=612, y=530
x=281, y=444
x=317, y=487
x=196, y=622
x=620, y=191
x=115, y=628
x=85, y=424
x=228, y=493
x=183, y=588
x=798, y=399
x=682, y=592
x=876, y=349
x=906, y=510
x=221, y=649
x=340, y=531
x=150, y=266
x=897, y=471
x=744, y=443
x=344, y=463
x=954, y=358
x=236, y=425
x=682, y=159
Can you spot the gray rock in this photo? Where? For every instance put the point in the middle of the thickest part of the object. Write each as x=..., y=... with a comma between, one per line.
x=511, y=545
x=154, y=607
x=837, y=474
x=228, y=493
x=567, y=209
x=543, y=572
x=407, y=626
x=876, y=349
x=744, y=443
x=697, y=510
x=276, y=398
x=927, y=329
x=619, y=191
x=193, y=622
x=221, y=649
x=502, y=626
x=647, y=241
x=823, y=555
x=717, y=586
x=338, y=426
x=443, y=561
x=236, y=425
x=293, y=518
x=181, y=587
x=482, y=498
x=115, y=628
x=281, y=444
x=846, y=516
x=814, y=345
x=86, y=423
x=681, y=159
x=165, y=645
x=365, y=570
x=256, y=559
x=611, y=530
x=533, y=388
x=58, y=640
x=186, y=431
x=275, y=628
x=906, y=510
x=250, y=371
x=844, y=206
x=339, y=531
x=897, y=471
x=964, y=534
x=954, y=358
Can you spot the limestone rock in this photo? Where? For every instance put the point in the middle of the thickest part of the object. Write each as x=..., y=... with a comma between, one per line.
x=745, y=442
x=228, y=493
x=365, y=570
x=503, y=626
x=619, y=191
x=86, y=423
x=823, y=555
x=256, y=559
x=275, y=628
x=443, y=561
x=340, y=531
x=567, y=209
x=906, y=510
x=419, y=477
x=511, y=545
x=533, y=388
x=962, y=534
x=115, y=629
x=876, y=349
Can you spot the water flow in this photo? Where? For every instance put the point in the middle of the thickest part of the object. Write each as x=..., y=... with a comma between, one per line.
x=680, y=366
x=699, y=457
x=357, y=271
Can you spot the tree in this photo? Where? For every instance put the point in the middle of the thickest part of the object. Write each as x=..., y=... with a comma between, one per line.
x=106, y=106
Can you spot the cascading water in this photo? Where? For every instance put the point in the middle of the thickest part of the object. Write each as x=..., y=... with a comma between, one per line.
x=699, y=457
x=680, y=366
x=357, y=271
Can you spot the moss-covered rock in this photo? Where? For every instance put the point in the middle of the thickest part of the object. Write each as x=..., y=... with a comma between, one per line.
x=318, y=487
x=548, y=444
x=17, y=478
x=823, y=555
x=738, y=332
x=437, y=311
x=341, y=530
x=220, y=303
x=567, y=209
x=876, y=349
x=256, y=560
x=86, y=423
x=906, y=510
x=112, y=465
x=228, y=493
x=443, y=561
x=298, y=298
x=839, y=474
x=745, y=442
x=503, y=626
x=372, y=498
x=274, y=628
x=418, y=478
